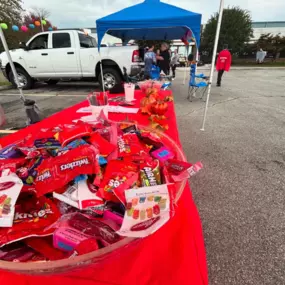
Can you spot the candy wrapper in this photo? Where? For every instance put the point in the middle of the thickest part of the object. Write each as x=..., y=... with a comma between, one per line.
x=163, y=154
x=10, y=187
x=104, y=146
x=75, y=228
x=150, y=174
x=47, y=143
x=72, y=132
x=148, y=209
x=32, y=217
x=180, y=170
x=21, y=254
x=61, y=170
x=129, y=144
x=29, y=172
x=10, y=151
x=44, y=246
x=81, y=195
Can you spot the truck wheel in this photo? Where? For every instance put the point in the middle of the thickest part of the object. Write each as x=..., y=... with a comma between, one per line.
x=52, y=82
x=111, y=78
x=25, y=79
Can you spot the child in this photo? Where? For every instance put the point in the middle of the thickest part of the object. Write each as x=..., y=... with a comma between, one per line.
x=149, y=60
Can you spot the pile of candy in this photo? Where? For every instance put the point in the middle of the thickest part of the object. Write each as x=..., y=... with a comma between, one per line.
x=74, y=189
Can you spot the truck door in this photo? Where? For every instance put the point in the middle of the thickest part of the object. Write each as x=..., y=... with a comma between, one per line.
x=37, y=57
x=88, y=54
x=64, y=55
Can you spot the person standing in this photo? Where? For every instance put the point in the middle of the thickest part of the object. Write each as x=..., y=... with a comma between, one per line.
x=149, y=60
x=174, y=62
x=164, y=59
x=223, y=64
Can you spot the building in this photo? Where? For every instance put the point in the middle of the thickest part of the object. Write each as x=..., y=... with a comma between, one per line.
x=274, y=28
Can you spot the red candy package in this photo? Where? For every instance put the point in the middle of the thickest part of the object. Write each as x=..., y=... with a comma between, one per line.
x=32, y=217
x=100, y=229
x=12, y=163
x=102, y=144
x=45, y=247
x=62, y=169
x=73, y=132
x=180, y=170
x=21, y=254
x=129, y=144
x=117, y=172
x=131, y=182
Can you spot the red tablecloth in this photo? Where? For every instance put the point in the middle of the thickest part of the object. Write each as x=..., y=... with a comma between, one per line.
x=173, y=255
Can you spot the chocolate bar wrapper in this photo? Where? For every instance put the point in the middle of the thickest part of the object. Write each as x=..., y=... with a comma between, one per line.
x=148, y=209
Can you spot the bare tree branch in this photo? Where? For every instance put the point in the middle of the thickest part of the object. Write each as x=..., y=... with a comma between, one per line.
x=42, y=13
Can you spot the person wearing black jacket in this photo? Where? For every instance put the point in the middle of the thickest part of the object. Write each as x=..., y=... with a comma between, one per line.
x=164, y=59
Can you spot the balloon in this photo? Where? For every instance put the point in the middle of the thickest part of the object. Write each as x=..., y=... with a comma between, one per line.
x=44, y=22
x=4, y=26
x=15, y=28
x=50, y=29
x=24, y=28
x=37, y=23
x=31, y=26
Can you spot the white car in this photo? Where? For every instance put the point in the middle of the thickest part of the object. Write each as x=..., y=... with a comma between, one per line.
x=69, y=55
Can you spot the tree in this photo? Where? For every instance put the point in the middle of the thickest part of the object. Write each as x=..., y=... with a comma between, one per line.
x=41, y=13
x=236, y=30
x=10, y=13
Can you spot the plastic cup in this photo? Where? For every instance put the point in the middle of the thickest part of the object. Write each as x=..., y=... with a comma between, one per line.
x=129, y=92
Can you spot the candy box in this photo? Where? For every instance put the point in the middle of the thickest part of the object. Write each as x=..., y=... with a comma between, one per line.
x=10, y=188
x=147, y=210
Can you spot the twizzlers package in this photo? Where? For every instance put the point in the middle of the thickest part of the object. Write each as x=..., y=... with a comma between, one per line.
x=147, y=210
x=63, y=169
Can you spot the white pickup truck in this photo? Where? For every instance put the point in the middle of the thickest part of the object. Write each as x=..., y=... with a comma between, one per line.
x=69, y=55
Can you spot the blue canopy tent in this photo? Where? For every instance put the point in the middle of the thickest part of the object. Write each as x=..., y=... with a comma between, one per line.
x=150, y=20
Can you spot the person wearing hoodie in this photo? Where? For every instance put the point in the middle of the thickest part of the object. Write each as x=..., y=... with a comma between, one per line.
x=223, y=64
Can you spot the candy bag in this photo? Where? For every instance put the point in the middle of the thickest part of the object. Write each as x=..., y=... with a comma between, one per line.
x=147, y=210
x=28, y=173
x=180, y=170
x=10, y=188
x=21, y=254
x=47, y=143
x=10, y=151
x=45, y=247
x=105, y=147
x=12, y=164
x=72, y=132
x=150, y=174
x=31, y=218
x=70, y=146
x=100, y=229
x=58, y=171
x=129, y=144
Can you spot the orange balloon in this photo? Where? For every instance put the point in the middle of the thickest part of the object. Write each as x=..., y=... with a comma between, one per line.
x=37, y=23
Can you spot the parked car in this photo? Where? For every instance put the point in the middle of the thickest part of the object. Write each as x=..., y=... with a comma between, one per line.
x=69, y=55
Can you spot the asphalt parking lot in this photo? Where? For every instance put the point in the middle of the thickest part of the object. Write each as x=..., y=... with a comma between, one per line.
x=240, y=193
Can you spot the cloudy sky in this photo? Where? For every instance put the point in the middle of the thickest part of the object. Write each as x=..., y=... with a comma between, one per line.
x=83, y=13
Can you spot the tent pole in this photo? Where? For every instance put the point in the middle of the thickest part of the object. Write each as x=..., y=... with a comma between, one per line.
x=12, y=65
x=213, y=61
x=102, y=75
x=185, y=68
